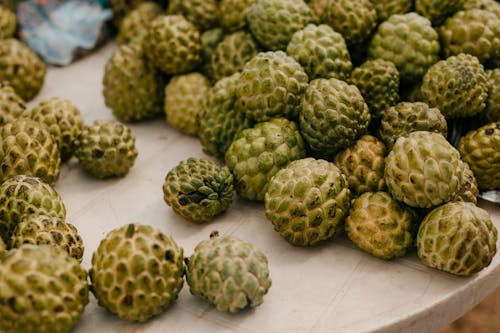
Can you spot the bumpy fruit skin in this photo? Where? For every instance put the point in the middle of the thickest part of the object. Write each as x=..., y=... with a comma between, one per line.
x=12, y=106
x=22, y=68
x=42, y=289
x=458, y=238
x=457, y=86
x=410, y=42
x=198, y=189
x=467, y=190
x=8, y=22
x=219, y=121
x=137, y=272
x=423, y=170
x=378, y=82
x=406, y=117
x=380, y=225
x=106, y=149
x=492, y=111
x=363, y=164
x=489, y=5
x=183, y=101
x=233, y=15
x=321, y=51
x=473, y=31
x=173, y=44
x=64, y=121
x=273, y=22
x=28, y=148
x=135, y=24
x=479, y=148
x=229, y=273
x=271, y=85
x=48, y=230
x=438, y=11
x=132, y=88
x=307, y=201
x=333, y=116
x=387, y=8
x=20, y=195
x=204, y=14
x=258, y=153
x=121, y=8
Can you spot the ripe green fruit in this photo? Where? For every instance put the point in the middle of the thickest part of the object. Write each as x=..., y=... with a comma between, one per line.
x=492, y=111
x=135, y=24
x=387, y=8
x=467, y=190
x=204, y=14
x=233, y=15
x=12, y=106
x=438, y=11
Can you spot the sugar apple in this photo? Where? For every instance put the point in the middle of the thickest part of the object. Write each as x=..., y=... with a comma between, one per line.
x=174, y=7
x=423, y=170
x=458, y=238
x=387, y=8
x=132, y=88
x=333, y=116
x=410, y=42
x=467, y=189
x=229, y=273
x=380, y=225
x=137, y=272
x=219, y=121
x=378, y=82
x=183, y=101
x=42, y=289
x=406, y=117
x=457, y=86
x=321, y=51
x=106, y=149
x=8, y=22
x=22, y=68
x=233, y=15
x=204, y=14
x=12, y=106
x=479, y=148
x=438, y=11
x=488, y=5
x=28, y=148
x=492, y=111
x=271, y=85
x=259, y=152
x=363, y=164
x=135, y=24
x=209, y=41
x=198, y=189
x=173, y=44
x=63, y=120
x=307, y=201
x=49, y=230
x=273, y=22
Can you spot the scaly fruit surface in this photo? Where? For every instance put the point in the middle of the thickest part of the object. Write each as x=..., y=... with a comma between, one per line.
x=271, y=85
x=42, y=289
x=63, y=119
x=489, y=5
x=198, y=189
x=457, y=86
x=28, y=148
x=121, y=8
x=106, y=149
x=307, y=201
x=135, y=24
x=204, y=14
x=423, y=170
x=132, y=87
x=209, y=41
x=12, y=106
x=229, y=273
x=233, y=15
x=321, y=51
x=22, y=68
x=438, y=11
x=258, y=153
x=8, y=22
x=380, y=225
x=458, y=238
x=387, y=8
x=48, y=230
x=492, y=111
x=137, y=272
x=467, y=190
x=479, y=148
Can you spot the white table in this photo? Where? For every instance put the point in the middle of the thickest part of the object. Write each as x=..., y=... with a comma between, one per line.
x=331, y=288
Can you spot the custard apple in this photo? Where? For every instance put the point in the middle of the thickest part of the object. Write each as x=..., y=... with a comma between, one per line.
x=467, y=189
x=8, y=22
x=198, y=189
x=488, y=5
x=12, y=106
x=106, y=149
x=438, y=11
x=42, y=289
x=229, y=273
x=232, y=17
x=387, y=8
x=28, y=148
x=258, y=153
x=209, y=41
x=174, y=7
x=204, y=14
x=458, y=238
x=135, y=24
x=492, y=111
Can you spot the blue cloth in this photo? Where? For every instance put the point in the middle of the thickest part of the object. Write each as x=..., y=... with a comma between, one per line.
x=59, y=30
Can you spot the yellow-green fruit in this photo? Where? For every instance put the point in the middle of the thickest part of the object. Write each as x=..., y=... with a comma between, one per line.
x=183, y=101
x=467, y=190
x=137, y=272
x=204, y=14
x=489, y=5
x=12, y=106
x=307, y=201
x=363, y=164
x=8, y=22
x=28, y=148
x=10, y=4
x=232, y=17
x=492, y=111
x=387, y=8
x=229, y=273
x=3, y=247
x=209, y=41
x=48, y=230
x=63, y=119
x=480, y=149
x=438, y=11
x=135, y=24
x=22, y=68
x=42, y=289
x=458, y=238
x=380, y=225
